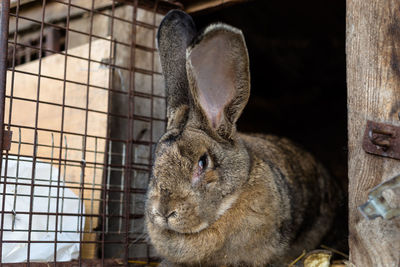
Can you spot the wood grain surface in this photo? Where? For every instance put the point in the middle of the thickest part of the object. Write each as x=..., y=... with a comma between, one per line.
x=373, y=80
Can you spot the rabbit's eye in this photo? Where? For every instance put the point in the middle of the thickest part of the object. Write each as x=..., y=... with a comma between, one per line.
x=203, y=162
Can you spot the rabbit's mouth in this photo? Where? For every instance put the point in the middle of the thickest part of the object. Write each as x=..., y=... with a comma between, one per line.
x=174, y=222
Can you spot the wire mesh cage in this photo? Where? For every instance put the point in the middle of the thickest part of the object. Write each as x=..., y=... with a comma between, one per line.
x=83, y=96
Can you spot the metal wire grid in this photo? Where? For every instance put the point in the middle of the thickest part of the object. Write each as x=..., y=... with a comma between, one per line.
x=121, y=155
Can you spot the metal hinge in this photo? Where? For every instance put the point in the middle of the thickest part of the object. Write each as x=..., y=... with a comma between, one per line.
x=7, y=137
x=383, y=200
x=382, y=139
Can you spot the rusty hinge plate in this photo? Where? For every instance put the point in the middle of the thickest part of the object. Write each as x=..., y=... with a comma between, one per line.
x=7, y=137
x=382, y=139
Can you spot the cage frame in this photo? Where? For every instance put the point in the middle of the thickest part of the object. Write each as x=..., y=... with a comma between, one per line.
x=158, y=6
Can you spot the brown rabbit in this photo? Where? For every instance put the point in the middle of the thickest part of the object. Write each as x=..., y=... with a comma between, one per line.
x=216, y=196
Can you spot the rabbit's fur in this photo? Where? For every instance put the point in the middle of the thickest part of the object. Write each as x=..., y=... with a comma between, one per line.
x=216, y=196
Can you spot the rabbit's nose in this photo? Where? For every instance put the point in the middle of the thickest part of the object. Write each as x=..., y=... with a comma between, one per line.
x=171, y=214
x=167, y=213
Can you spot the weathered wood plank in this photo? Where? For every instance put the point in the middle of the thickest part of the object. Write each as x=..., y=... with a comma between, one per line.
x=373, y=78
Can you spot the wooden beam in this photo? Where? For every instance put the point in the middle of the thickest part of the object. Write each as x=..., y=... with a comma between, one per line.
x=373, y=79
x=54, y=12
x=14, y=3
x=196, y=6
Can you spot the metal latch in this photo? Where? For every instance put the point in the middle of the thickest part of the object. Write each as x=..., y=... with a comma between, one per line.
x=7, y=137
x=383, y=200
x=382, y=139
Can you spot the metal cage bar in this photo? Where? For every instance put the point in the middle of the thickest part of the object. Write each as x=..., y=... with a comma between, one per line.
x=4, y=16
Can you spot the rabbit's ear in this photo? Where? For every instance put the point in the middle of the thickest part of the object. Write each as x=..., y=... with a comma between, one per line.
x=176, y=32
x=219, y=78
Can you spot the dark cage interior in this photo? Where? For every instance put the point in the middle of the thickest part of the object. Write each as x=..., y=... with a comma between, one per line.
x=85, y=101
x=298, y=75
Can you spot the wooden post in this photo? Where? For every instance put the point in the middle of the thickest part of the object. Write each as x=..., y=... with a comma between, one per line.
x=373, y=80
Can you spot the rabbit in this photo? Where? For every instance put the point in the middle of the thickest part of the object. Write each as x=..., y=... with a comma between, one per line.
x=217, y=197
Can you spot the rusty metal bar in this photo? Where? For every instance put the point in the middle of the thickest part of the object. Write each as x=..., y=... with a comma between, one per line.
x=4, y=13
x=140, y=118
x=134, y=167
x=152, y=100
x=62, y=242
x=83, y=109
x=139, y=70
x=61, y=132
x=7, y=138
x=77, y=31
x=105, y=198
x=35, y=134
x=5, y=9
x=128, y=146
x=81, y=190
x=114, y=190
x=8, y=127
x=65, y=214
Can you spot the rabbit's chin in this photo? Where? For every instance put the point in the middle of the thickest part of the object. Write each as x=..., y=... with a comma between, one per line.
x=186, y=230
